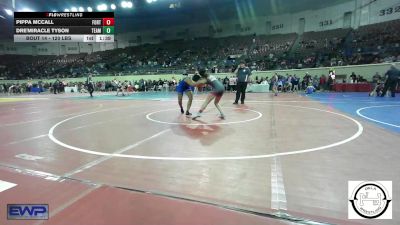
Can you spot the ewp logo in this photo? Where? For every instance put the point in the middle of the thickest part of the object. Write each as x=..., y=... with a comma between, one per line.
x=28, y=211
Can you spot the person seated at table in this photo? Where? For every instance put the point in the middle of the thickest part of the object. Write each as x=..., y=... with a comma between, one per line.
x=288, y=84
x=360, y=79
x=280, y=85
x=378, y=89
x=83, y=90
x=11, y=89
x=264, y=82
x=310, y=88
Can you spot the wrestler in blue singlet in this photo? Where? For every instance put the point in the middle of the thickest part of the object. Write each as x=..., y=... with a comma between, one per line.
x=183, y=86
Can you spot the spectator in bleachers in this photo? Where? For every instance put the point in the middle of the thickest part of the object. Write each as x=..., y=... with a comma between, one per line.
x=375, y=43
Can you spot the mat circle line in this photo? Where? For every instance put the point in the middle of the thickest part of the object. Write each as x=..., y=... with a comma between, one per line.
x=148, y=116
x=360, y=129
x=374, y=120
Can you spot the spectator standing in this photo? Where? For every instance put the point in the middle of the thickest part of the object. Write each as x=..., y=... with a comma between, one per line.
x=40, y=85
x=289, y=83
x=316, y=82
x=226, y=83
x=353, y=77
x=322, y=82
x=232, y=84
x=274, y=84
x=331, y=79
x=295, y=83
x=55, y=86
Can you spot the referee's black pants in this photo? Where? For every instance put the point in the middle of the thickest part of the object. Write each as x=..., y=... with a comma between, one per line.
x=391, y=85
x=91, y=90
x=241, y=91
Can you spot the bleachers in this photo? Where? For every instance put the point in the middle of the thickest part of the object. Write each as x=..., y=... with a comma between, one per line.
x=377, y=37
x=262, y=52
x=326, y=41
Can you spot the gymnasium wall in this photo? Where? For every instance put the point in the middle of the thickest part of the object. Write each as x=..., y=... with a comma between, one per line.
x=379, y=11
x=367, y=71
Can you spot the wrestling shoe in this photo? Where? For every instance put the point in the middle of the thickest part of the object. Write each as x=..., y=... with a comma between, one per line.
x=198, y=115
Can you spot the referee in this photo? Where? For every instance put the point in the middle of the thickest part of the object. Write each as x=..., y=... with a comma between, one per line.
x=242, y=72
x=393, y=75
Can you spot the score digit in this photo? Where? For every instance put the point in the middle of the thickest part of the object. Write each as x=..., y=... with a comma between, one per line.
x=108, y=30
x=108, y=21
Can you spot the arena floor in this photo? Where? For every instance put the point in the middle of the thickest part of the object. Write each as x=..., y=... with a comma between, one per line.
x=137, y=160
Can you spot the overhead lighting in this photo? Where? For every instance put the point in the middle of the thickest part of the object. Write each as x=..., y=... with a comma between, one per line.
x=102, y=7
x=66, y=10
x=26, y=10
x=9, y=12
x=123, y=4
x=81, y=9
x=126, y=4
x=113, y=6
x=74, y=9
x=150, y=1
x=54, y=10
x=89, y=9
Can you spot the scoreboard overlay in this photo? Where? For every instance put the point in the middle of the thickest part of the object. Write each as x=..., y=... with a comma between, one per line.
x=64, y=26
